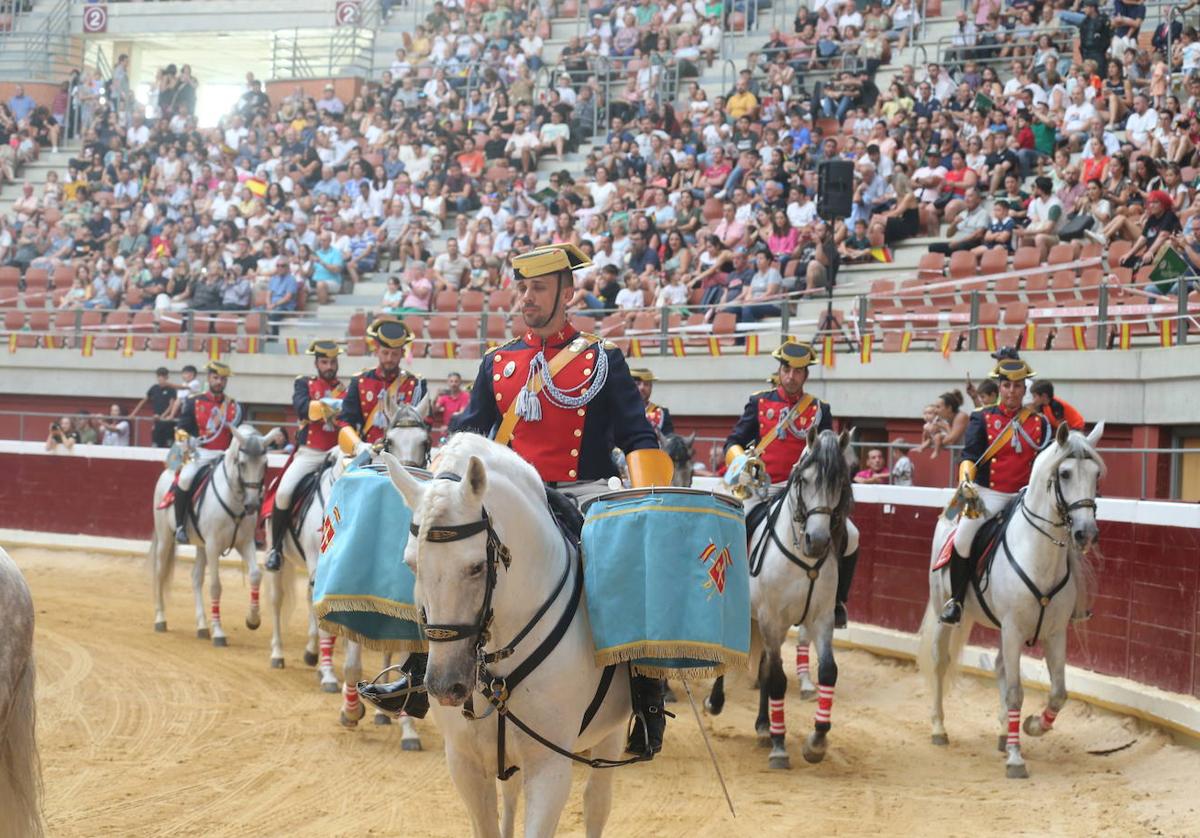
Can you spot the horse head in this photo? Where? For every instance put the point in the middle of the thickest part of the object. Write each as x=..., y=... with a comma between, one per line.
x=246, y=463
x=1073, y=480
x=454, y=580
x=823, y=496
x=682, y=451
x=407, y=435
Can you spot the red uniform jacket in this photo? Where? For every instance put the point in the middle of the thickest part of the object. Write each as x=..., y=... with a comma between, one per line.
x=1007, y=471
x=305, y=390
x=202, y=417
x=361, y=405
x=763, y=412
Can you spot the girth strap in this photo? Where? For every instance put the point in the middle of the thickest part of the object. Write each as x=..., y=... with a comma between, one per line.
x=598, y=699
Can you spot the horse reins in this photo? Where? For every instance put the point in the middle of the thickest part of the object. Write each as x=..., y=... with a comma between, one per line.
x=497, y=689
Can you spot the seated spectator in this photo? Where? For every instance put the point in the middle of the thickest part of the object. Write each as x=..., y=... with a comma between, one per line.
x=876, y=471
x=903, y=469
x=329, y=265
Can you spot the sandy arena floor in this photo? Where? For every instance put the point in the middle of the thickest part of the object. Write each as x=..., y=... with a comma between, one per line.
x=151, y=734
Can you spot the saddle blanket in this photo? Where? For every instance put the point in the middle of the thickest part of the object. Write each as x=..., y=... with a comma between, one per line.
x=667, y=581
x=363, y=589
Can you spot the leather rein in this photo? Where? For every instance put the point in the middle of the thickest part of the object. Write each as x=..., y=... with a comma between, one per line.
x=497, y=689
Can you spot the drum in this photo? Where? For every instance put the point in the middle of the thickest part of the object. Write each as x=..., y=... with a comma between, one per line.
x=364, y=590
x=667, y=581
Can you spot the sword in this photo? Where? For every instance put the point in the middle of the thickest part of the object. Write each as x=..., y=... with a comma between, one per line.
x=711, y=754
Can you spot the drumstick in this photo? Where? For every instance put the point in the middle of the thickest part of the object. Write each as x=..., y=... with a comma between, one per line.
x=711, y=754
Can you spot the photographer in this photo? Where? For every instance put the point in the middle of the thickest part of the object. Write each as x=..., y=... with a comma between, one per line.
x=62, y=433
x=116, y=429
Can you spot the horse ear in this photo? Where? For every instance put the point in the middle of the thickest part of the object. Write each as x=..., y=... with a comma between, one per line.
x=1060, y=436
x=239, y=436
x=691, y=439
x=405, y=483
x=275, y=435
x=1094, y=437
x=811, y=436
x=844, y=438
x=475, y=480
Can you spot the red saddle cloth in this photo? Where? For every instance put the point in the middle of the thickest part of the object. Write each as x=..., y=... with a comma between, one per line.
x=202, y=477
x=943, y=556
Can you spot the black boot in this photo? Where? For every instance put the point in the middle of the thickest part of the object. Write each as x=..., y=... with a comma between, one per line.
x=649, y=717
x=846, y=566
x=279, y=527
x=406, y=695
x=960, y=577
x=183, y=503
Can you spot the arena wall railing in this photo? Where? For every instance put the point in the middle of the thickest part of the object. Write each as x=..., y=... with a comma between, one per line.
x=1139, y=653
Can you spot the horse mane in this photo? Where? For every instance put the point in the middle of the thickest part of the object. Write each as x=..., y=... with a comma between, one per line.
x=676, y=448
x=832, y=473
x=404, y=410
x=500, y=461
x=1077, y=447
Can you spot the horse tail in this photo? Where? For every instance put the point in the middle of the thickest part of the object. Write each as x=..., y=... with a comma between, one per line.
x=20, y=767
x=925, y=644
x=162, y=560
x=959, y=634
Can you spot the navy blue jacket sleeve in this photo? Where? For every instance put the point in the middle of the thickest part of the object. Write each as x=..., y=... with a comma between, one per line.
x=632, y=431
x=187, y=416
x=975, y=442
x=351, y=414
x=300, y=397
x=420, y=389
x=668, y=424
x=480, y=415
x=745, y=431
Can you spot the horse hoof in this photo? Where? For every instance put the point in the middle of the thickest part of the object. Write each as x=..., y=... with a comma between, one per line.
x=1016, y=772
x=277, y=663
x=763, y=732
x=1033, y=726
x=410, y=745
x=220, y=642
x=381, y=719
x=346, y=721
x=812, y=754
x=713, y=708
x=330, y=687
x=253, y=624
x=310, y=658
x=160, y=626
x=779, y=761
x=807, y=695
x=940, y=739
x=202, y=634
x=1001, y=743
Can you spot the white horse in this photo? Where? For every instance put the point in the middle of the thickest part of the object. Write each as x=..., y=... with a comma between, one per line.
x=794, y=581
x=225, y=520
x=487, y=558
x=20, y=770
x=1031, y=589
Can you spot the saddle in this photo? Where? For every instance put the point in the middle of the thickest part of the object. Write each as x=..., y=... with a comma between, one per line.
x=983, y=546
x=203, y=475
x=302, y=498
x=566, y=514
x=759, y=513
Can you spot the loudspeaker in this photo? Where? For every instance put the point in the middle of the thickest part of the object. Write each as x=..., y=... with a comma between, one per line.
x=835, y=189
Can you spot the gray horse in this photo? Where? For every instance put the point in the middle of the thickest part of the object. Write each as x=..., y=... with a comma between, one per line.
x=20, y=770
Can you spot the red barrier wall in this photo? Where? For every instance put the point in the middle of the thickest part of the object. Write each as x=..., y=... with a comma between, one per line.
x=1147, y=605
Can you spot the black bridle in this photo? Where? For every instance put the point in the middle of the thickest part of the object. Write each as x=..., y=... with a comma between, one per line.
x=1061, y=506
x=241, y=486
x=497, y=689
x=412, y=420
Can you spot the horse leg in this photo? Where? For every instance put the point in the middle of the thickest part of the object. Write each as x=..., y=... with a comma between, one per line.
x=410, y=740
x=477, y=787
x=198, y=569
x=941, y=663
x=762, y=724
x=1010, y=647
x=382, y=718
x=250, y=557
x=352, y=706
x=715, y=702
x=510, y=791
x=311, y=648
x=547, y=786
x=776, y=685
x=1055, y=650
x=597, y=794
x=1002, y=686
x=276, y=593
x=807, y=691
x=325, y=674
x=827, y=673
x=214, y=594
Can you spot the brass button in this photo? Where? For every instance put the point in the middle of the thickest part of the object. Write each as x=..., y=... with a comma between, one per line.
x=589, y=356
x=496, y=377
x=581, y=411
x=574, y=452
x=578, y=432
x=497, y=358
x=571, y=473
x=497, y=397
x=587, y=370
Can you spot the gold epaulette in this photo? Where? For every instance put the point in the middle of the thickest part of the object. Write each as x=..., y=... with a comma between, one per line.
x=504, y=345
x=603, y=341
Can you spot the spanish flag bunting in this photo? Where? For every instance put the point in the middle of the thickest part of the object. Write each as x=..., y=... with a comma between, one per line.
x=865, y=349
x=50, y=341
x=946, y=343
x=714, y=346
x=12, y=343
x=88, y=346
x=172, y=347
x=751, y=345
x=1125, y=336
x=127, y=346
x=451, y=349
x=1030, y=337
x=252, y=345
x=905, y=340
x=989, y=338
x=635, y=348
x=214, y=348
x=293, y=346
x=827, y=354
x=677, y=347
x=1079, y=335
x=1166, y=332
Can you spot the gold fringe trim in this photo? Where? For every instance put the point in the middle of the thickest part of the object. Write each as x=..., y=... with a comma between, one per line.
x=373, y=644
x=711, y=659
x=370, y=605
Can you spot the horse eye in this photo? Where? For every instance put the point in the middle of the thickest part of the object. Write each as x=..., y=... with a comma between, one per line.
x=475, y=569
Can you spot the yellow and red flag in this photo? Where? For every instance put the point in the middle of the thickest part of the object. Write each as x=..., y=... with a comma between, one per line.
x=172, y=347
x=257, y=186
x=946, y=343
x=1166, y=332
x=252, y=345
x=88, y=346
x=905, y=340
x=751, y=345
x=989, y=338
x=635, y=348
x=1125, y=336
x=1030, y=337
x=50, y=341
x=1079, y=337
x=451, y=349
x=127, y=346
x=214, y=348
x=714, y=347
x=827, y=354
x=293, y=346
x=12, y=343
x=677, y=348
x=864, y=354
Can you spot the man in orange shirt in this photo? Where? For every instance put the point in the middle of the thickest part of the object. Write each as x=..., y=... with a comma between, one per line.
x=1055, y=410
x=471, y=158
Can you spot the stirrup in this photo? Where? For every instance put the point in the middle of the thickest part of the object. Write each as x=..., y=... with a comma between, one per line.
x=181, y=536
x=840, y=618
x=406, y=695
x=951, y=612
x=274, y=560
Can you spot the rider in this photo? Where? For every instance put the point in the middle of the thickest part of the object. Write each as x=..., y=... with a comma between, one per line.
x=1000, y=445
x=317, y=399
x=792, y=412
x=659, y=416
x=205, y=424
x=562, y=400
x=363, y=420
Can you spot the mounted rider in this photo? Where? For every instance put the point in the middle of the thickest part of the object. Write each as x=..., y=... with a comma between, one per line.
x=659, y=416
x=205, y=430
x=364, y=417
x=317, y=400
x=563, y=400
x=999, y=447
x=770, y=438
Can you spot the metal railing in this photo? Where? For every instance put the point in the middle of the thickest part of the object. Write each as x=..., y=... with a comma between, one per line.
x=44, y=53
x=306, y=54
